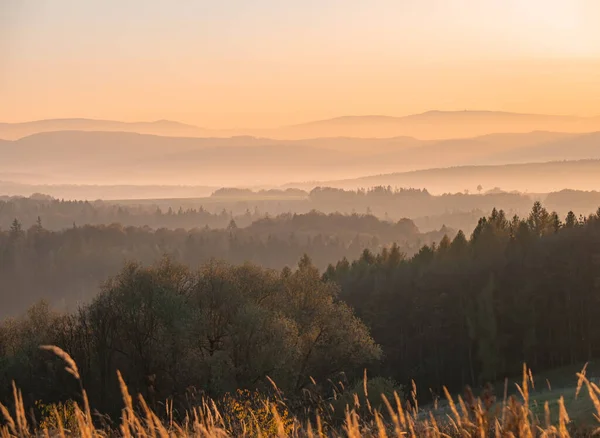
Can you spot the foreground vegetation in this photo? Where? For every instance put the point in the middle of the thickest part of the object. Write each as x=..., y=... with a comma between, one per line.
x=246, y=414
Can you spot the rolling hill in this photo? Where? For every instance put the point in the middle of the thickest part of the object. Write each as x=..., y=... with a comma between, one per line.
x=436, y=125
x=14, y=131
x=569, y=148
x=82, y=157
x=431, y=125
x=529, y=177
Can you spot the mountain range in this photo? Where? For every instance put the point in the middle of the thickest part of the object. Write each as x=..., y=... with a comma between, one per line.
x=14, y=131
x=80, y=157
x=336, y=151
x=431, y=125
x=528, y=178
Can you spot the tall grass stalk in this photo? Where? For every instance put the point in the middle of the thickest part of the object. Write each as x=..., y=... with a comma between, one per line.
x=469, y=417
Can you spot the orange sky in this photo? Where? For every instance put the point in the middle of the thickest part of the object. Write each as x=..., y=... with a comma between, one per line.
x=263, y=63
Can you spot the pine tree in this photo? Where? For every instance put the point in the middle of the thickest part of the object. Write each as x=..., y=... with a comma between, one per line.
x=484, y=331
x=571, y=220
x=460, y=243
x=16, y=229
x=445, y=244
x=539, y=220
x=555, y=222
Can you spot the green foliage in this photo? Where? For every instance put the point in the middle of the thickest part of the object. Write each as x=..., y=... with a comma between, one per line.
x=462, y=312
x=69, y=264
x=219, y=328
x=519, y=290
x=366, y=402
x=483, y=331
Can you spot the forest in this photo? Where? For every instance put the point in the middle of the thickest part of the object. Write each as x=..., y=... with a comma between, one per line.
x=429, y=212
x=300, y=219
x=458, y=311
x=70, y=264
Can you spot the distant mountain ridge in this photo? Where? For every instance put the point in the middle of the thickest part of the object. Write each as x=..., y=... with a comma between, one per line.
x=436, y=125
x=428, y=115
x=430, y=125
x=546, y=177
x=90, y=157
x=14, y=131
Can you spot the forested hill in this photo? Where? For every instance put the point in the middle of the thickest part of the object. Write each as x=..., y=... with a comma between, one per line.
x=542, y=176
x=473, y=310
x=464, y=311
x=429, y=212
x=66, y=267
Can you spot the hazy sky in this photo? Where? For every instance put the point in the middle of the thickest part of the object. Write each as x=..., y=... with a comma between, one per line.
x=258, y=63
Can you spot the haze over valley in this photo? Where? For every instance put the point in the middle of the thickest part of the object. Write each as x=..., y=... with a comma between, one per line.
x=431, y=125
x=267, y=218
x=107, y=157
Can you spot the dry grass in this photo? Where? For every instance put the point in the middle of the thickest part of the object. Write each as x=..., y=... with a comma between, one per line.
x=467, y=417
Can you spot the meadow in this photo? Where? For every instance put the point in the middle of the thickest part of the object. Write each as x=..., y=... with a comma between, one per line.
x=246, y=414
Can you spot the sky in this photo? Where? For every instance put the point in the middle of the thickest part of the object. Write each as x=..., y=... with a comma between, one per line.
x=268, y=63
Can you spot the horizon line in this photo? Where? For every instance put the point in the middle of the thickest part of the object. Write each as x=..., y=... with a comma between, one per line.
x=308, y=122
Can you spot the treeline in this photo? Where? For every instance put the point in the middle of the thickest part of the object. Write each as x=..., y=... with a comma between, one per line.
x=463, y=311
x=414, y=203
x=180, y=334
x=228, y=192
x=429, y=212
x=467, y=311
x=417, y=204
x=60, y=214
x=66, y=266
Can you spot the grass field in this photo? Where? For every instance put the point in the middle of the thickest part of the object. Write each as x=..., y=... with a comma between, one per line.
x=529, y=411
x=544, y=389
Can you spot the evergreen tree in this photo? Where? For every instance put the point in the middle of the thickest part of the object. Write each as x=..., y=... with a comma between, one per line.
x=232, y=225
x=16, y=229
x=571, y=220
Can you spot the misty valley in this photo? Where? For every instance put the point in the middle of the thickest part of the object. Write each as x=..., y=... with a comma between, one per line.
x=299, y=219
x=451, y=276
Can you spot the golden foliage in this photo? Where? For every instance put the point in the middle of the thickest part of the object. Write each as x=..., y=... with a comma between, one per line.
x=251, y=414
